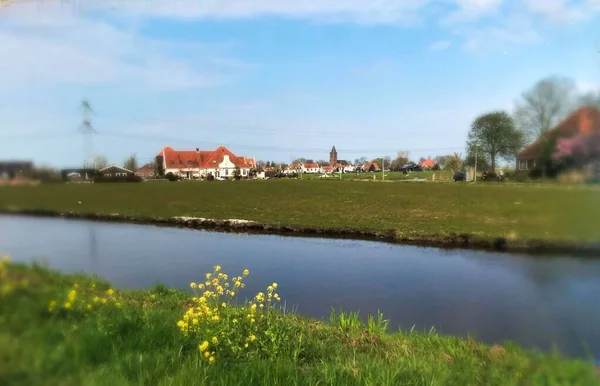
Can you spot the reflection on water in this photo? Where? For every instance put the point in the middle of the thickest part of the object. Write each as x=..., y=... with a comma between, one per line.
x=494, y=297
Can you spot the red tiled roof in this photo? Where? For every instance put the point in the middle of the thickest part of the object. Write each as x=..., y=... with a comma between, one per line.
x=327, y=167
x=584, y=120
x=202, y=159
x=368, y=165
x=428, y=163
x=311, y=166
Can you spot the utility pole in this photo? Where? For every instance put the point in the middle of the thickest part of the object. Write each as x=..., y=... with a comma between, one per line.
x=88, y=132
x=383, y=168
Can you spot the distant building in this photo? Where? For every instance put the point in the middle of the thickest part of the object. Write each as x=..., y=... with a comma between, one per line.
x=584, y=120
x=78, y=174
x=146, y=171
x=333, y=156
x=115, y=171
x=220, y=163
x=12, y=169
x=427, y=164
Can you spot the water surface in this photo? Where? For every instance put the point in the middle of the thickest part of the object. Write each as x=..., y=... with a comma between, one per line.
x=537, y=301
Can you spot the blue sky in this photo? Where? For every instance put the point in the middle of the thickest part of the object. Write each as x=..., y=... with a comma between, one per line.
x=276, y=79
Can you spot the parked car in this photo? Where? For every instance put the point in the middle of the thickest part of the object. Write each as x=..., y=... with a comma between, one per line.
x=411, y=168
x=460, y=176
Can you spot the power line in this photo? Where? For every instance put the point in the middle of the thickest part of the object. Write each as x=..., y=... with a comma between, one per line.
x=187, y=141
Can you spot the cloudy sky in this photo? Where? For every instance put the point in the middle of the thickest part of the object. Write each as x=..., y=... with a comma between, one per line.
x=276, y=79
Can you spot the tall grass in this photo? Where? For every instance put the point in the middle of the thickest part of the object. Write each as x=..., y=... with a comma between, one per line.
x=137, y=338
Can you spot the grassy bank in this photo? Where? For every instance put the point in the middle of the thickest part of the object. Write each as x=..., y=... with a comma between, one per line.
x=73, y=330
x=410, y=211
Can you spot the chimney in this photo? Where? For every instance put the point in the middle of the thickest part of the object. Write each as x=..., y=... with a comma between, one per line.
x=197, y=150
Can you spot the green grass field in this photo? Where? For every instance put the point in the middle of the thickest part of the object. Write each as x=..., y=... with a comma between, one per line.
x=411, y=210
x=75, y=330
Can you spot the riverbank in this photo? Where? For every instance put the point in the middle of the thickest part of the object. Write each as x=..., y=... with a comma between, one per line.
x=492, y=216
x=74, y=329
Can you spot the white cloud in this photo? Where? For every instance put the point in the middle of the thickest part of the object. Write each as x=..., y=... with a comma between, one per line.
x=558, y=10
x=43, y=45
x=440, y=45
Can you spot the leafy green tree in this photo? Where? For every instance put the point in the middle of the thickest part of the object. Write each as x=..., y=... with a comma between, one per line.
x=453, y=162
x=496, y=136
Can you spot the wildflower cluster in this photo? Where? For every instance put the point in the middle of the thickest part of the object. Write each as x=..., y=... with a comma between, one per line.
x=81, y=299
x=220, y=327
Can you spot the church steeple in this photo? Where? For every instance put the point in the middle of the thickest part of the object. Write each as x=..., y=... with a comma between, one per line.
x=333, y=157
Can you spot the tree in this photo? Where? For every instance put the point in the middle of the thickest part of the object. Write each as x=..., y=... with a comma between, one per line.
x=360, y=161
x=100, y=162
x=590, y=99
x=131, y=163
x=156, y=168
x=323, y=163
x=453, y=163
x=541, y=107
x=400, y=161
x=496, y=135
x=482, y=161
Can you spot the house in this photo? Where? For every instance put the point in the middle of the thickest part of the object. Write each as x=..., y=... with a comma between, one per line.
x=146, y=171
x=311, y=168
x=11, y=169
x=78, y=174
x=582, y=121
x=371, y=167
x=427, y=164
x=115, y=171
x=327, y=169
x=220, y=163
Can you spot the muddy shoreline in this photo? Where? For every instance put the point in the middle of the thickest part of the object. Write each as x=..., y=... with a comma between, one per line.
x=449, y=241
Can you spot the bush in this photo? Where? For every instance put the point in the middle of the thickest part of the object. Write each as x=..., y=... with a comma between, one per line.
x=172, y=177
x=130, y=178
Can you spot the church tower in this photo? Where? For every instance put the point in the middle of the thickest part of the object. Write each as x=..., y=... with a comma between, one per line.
x=333, y=157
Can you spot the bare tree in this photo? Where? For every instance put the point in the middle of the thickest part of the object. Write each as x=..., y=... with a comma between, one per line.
x=590, y=99
x=541, y=107
x=131, y=163
x=100, y=162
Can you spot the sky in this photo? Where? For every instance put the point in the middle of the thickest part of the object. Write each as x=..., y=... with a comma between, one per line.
x=276, y=79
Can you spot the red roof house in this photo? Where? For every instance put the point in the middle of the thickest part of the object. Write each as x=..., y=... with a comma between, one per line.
x=427, y=164
x=200, y=162
x=583, y=121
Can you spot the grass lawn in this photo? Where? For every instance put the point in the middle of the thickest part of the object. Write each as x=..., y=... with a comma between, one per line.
x=411, y=210
x=74, y=330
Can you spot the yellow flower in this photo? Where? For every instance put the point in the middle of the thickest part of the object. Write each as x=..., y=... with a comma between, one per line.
x=103, y=301
x=224, y=305
x=89, y=306
x=207, y=283
x=152, y=296
x=208, y=275
x=246, y=345
x=195, y=321
x=67, y=305
x=203, y=347
x=270, y=288
x=207, y=354
x=200, y=286
x=96, y=299
x=274, y=285
x=93, y=286
x=253, y=307
x=76, y=286
x=202, y=299
x=72, y=295
x=180, y=324
x=235, y=321
x=217, y=268
x=232, y=294
x=216, y=318
x=246, y=272
x=118, y=305
x=215, y=340
x=211, y=359
x=110, y=292
x=52, y=306
x=252, y=338
x=252, y=320
x=193, y=285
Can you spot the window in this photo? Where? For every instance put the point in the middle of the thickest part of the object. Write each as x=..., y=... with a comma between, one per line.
x=226, y=172
x=107, y=175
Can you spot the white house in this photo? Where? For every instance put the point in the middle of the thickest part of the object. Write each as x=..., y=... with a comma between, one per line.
x=312, y=168
x=221, y=163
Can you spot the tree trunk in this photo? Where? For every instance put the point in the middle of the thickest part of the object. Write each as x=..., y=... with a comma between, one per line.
x=493, y=156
